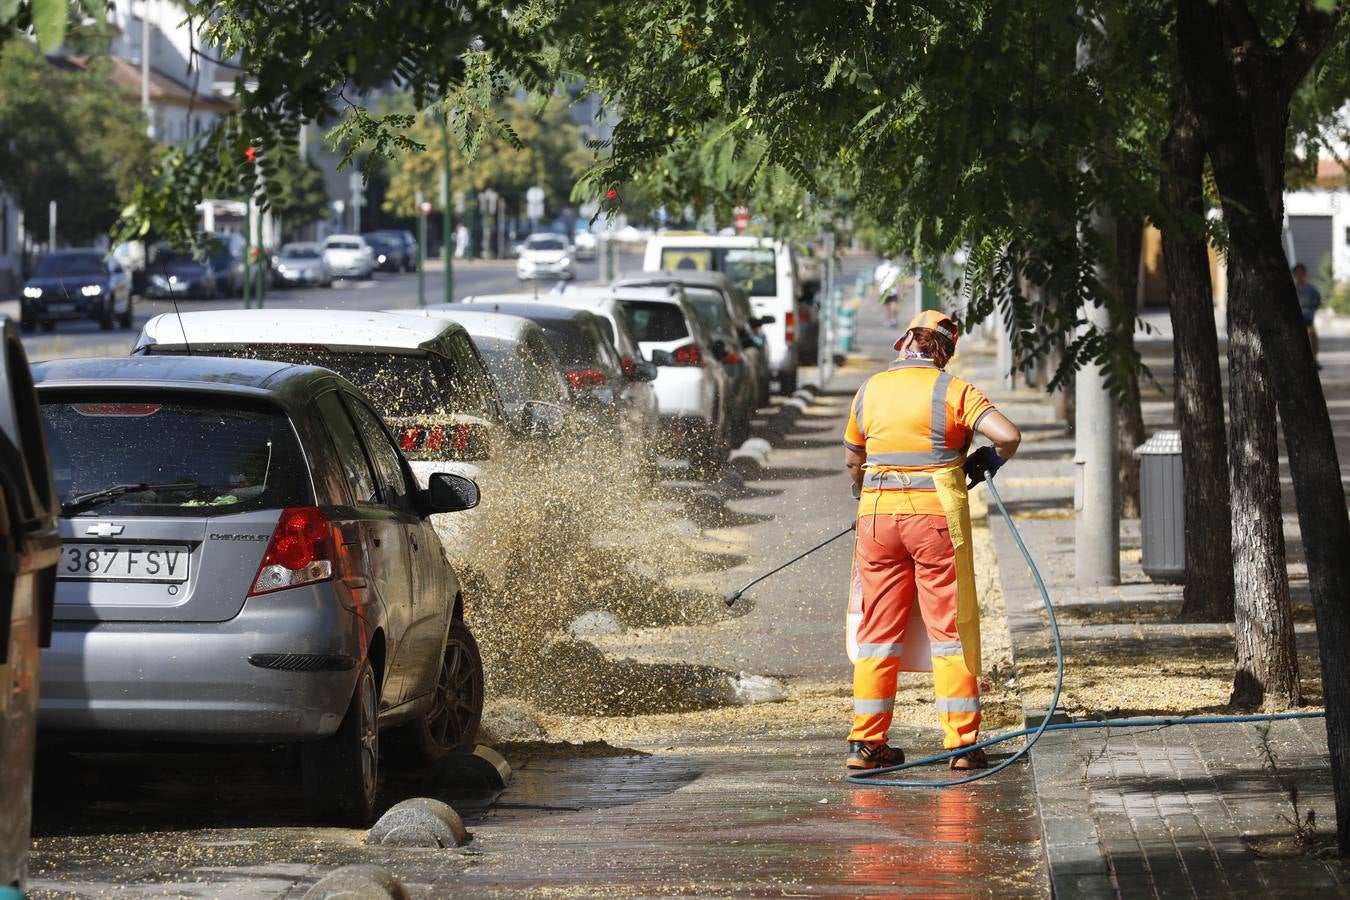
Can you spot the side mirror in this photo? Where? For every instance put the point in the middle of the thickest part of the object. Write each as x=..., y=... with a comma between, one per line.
x=447, y=493
x=719, y=349
x=662, y=358
x=764, y=320
x=540, y=419
x=644, y=371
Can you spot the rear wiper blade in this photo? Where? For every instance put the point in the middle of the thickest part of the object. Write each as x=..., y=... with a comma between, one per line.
x=93, y=498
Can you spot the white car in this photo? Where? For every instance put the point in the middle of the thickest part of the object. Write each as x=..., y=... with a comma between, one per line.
x=348, y=256
x=544, y=256
x=585, y=245
x=763, y=267
x=691, y=385
x=424, y=376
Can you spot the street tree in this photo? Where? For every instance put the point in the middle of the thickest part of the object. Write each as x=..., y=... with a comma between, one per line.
x=526, y=143
x=298, y=195
x=70, y=137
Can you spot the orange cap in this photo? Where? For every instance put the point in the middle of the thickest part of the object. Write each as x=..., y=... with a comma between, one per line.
x=934, y=320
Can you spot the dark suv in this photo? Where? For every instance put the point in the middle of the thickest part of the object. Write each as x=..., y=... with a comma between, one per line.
x=248, y=559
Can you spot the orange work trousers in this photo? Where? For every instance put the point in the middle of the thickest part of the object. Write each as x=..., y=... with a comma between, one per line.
x=898, y=557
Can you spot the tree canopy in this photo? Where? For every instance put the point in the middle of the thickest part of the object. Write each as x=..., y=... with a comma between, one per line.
x=70, y=136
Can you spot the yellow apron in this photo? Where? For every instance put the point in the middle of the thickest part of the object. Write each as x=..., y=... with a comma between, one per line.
x=915, y=655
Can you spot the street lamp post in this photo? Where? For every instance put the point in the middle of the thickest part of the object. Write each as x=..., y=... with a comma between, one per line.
x=446, y=224
x=423, y=210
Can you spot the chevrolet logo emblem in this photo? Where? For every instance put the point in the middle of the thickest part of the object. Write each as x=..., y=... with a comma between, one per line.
x=104, y=529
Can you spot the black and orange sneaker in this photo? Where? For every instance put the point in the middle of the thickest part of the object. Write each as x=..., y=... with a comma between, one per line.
x=873, y=755
x=970, y=760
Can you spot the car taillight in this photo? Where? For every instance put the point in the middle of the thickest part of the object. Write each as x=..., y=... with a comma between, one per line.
x=437, y=437
x=586, y=378
x=629, y=367
x=688, y=355
x=300, y=552
x=790, y=327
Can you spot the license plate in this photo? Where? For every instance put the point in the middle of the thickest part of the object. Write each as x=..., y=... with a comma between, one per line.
x=161, y=563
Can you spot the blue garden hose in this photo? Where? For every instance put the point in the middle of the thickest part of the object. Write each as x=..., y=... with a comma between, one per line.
x=873, y=776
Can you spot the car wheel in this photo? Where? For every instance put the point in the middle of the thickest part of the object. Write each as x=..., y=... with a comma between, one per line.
x=48, y=324
x=27, y=321
x=452, y=722
x=341, y=772
x=709, y=450
x=787, y=382
x=106, y=318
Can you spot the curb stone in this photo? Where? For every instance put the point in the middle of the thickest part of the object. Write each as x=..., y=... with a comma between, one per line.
x=362, y=882
x=419, y=822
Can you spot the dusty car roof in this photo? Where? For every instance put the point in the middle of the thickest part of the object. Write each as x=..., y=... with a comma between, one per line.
x=666, y=276
x=530, y=309
x=477, y=321
x=221, y=375
x=327, y=327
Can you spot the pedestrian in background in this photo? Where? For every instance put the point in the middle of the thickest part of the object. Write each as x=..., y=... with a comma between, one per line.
x=1309, y=299
x=905, y=448
x=461, y=241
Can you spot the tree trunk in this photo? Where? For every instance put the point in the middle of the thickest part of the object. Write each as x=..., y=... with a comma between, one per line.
x=1239, y=142
x=1197, y=387
x=1266, y=668
x=1130, y=416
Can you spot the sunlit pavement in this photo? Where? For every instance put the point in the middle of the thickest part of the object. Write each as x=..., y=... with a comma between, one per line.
x=716, y=811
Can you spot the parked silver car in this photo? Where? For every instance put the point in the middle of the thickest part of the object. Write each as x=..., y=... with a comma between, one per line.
x=29, y=550
x=248, y=559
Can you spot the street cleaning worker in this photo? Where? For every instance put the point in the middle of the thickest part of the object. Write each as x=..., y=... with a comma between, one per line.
x=905, y=447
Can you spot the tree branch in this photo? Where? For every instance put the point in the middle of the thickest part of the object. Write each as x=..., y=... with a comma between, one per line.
x=1311, y=34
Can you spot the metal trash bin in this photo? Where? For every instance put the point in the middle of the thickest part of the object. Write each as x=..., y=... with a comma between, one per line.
x=1162, y=503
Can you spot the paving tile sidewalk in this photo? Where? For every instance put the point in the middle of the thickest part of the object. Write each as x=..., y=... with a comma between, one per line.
x=1184, y=811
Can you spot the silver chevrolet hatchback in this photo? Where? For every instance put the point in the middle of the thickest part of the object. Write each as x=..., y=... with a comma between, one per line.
x=247, y=558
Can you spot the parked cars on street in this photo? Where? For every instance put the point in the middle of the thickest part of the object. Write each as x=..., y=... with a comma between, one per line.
x=299, y=264
x=691, y=385
x=254, y=565
x=348, y=256
x=544, y=255
x=412, y=251
x=763, y=267
x=585, y=245
x=176, y=275
x=526, y=371
x=76, y=284
x=390, y=253
x=710, y=296
x=30, y=548
x=225, y=256
x=592, y=367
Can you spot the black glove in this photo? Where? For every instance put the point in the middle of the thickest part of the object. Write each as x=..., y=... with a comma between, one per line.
x=982, y=464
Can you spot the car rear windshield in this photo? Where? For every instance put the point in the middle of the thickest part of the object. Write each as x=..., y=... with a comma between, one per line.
x=305, y=251
x=710, y=306
x=196, y=457
x=70, y=264
x=754, y=269
x=656, y=321
x=574, y=344
x=520, y=374
x=342, y=245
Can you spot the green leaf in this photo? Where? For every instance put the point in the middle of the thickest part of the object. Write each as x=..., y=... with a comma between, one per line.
x=8, y=10
x=49, y=21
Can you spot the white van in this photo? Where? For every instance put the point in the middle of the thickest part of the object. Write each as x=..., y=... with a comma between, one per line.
x=763, y=266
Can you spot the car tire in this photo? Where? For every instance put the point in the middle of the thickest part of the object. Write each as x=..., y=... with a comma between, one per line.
x=341, y=772
x=787, y=383
x=709, y=450
x=106, y=317
x=27, y=321
x=452, y=723
x=48, y=324
x=124, y=320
